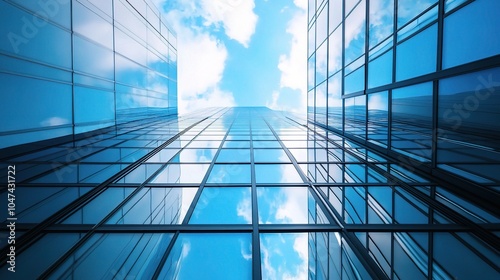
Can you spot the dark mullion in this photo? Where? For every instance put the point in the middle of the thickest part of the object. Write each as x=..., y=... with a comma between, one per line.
x=256, y=258
x=83, y=200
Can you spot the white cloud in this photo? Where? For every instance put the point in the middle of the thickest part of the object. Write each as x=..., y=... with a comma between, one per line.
x=293, y=66
x=292, y=209
x=200, y=65
x=244, y=208
x=236, y=16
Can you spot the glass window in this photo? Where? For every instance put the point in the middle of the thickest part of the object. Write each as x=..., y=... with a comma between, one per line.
x=54, y=245
x=355, y=81
x=468, y=33
x=85, y=102
x=284, y=255
x=381, y=20
x=94, y=211
x=119, y=255
x=288, y=205
x=221, y=256
x=469, y=123
x=230, y=174
x=31, y=37
x=355, y=116
x=411, y=131
x=335, y=51
x=270, y=155
x=335, y=102
x=197, y=155
x=409, y=9
x=234, y=155
x=276, y=173
x=156, y=206
x=49, y=107
x=182, y=173
x=354, y=40
x=230, y=205
x=380, y=70
x=335, y=14
x=412, y=59
x=90, y=25
x=378, y=104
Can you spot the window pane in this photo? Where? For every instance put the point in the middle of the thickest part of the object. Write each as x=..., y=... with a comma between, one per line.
x=468, y=33
x=230, y=174
x=182, y=173
x=231, y=205
x=221, y=256
x=234, y=155
x=378, y=117
x=288, y=205
x=381, y=20
x=412, y=121
x=276, y=173
x=122, y=255
x=412, y=60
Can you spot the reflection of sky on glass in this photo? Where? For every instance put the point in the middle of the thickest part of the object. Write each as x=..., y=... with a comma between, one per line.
x=196, y=155
x=223, y=206
x=230, y=174
x=284, y=256
x=234, y=155
x=276, y=173
x=182, y=173
x=285, y=205
x=270, y=155
x=209, y=256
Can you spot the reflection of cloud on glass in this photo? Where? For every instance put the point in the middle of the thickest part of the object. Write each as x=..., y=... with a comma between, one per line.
x=284, y=256
x=244, y=208
x=187, y=196
x=54, y=121
x=381, y=20
x=292, y=208
x=246, y=250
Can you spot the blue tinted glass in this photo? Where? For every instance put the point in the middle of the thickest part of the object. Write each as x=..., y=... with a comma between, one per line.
x=409, y=9
x=221, y=256
x=34, y=204
x=412, y=59
x=223, y=206
x=380, y=70
x=355, y=81
x=378, y=117
x=335, y=102
x=197, y=155
x=410, y=261
x=354, y=44
x=32, y=37
x=86, y=101
x=155, y=206
x=49, y=106
x=467, y=33
x=469, y=123
x=289, y=205
x=54, y=245
x=122, y=255
x=92, y=59
x=355, y=116
x=89, y=24
x=276, y=173
x=284, y=255
x=412, y=120
x=99, y=207
x=381, y=20
x=230, y=174
x=321, y=62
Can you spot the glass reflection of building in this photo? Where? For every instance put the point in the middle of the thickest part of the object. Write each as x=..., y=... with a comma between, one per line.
x=409, y=91
x=68, y=67
x=356, y=191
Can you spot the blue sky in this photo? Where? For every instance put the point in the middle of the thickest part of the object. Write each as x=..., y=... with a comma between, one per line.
x=240, y=52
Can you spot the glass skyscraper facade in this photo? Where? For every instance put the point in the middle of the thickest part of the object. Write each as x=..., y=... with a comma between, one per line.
x=393, y=174
x=68, y=67
x=237, y=193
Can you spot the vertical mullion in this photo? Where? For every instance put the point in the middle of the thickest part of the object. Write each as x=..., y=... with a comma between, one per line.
x=256, y=259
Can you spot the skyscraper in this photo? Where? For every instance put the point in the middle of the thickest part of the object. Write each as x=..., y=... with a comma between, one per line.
x=350, y=192
x=69, y=67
